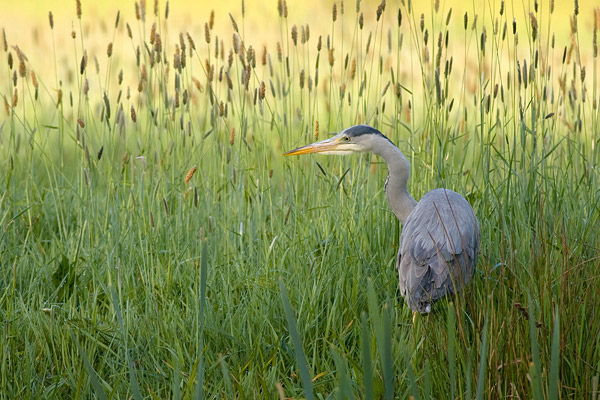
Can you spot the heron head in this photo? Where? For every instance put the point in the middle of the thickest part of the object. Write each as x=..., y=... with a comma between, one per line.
x=356, y=139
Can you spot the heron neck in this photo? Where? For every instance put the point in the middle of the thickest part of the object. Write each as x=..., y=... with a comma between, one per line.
x=399, y=199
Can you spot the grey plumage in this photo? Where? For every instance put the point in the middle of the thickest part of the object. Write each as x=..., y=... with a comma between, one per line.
x=438, y=248
x=440, y=237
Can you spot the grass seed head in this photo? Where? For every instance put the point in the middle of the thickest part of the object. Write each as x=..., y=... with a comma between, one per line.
x=10, y=61
x=211, y=20
x=190, y=174
x=15, y=99
x=595, y=43
x=206, y=33
x=6, y=106
x=380, y=9
x=133, y=114
x=294, y=35
x=143, y=10
x=334, y=12
x=78, y=7
x=190, y=41
x=109, y=50
x=232, y=136
x=158, y=45
x=534, y=26
x=34, y=80
x=51, y=19
x=235, y=25
x=22, y=68
x=153, y=33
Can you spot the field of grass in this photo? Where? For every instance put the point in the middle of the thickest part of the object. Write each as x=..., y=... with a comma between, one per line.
x=155, y=243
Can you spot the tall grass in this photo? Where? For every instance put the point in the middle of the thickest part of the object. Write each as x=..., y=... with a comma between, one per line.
x=139, y=141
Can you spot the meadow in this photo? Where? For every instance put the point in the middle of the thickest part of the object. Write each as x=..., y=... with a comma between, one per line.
x=156, y=243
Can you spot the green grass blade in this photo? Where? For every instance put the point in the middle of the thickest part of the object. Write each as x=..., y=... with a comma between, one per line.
x=345, y=386
x=175, y=384
x=367, y=363
x=298, y=349
x=536, y=367
x=226, y=378
x=381, y=324
x=553, y=383
x=451, y=349
x=412, y=380
x=199, y=393
x=428, y=394
x=90, y=370
x=386, y=350
x=483, y=352
x=468, y=374
x=135, y=387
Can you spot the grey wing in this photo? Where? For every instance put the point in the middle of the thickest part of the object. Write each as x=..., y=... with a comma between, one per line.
x=438, y=248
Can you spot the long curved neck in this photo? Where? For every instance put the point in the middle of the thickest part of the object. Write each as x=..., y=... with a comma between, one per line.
x=398, y=197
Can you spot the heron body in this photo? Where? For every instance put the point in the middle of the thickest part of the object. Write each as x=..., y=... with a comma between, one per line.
x=440, y=236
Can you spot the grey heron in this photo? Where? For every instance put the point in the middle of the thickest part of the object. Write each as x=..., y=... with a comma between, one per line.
x=440, y=236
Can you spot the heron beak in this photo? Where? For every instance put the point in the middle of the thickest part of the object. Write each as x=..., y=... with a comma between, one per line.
x=324, y=146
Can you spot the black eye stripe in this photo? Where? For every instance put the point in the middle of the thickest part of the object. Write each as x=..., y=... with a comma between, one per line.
x=359, y=130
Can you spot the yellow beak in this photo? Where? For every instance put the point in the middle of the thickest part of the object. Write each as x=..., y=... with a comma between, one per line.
x=324, y=146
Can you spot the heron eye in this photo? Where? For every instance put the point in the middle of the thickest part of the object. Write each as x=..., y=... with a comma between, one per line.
x=346, y=139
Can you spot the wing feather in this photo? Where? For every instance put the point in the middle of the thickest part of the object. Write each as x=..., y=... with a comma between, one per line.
x=438, y=248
